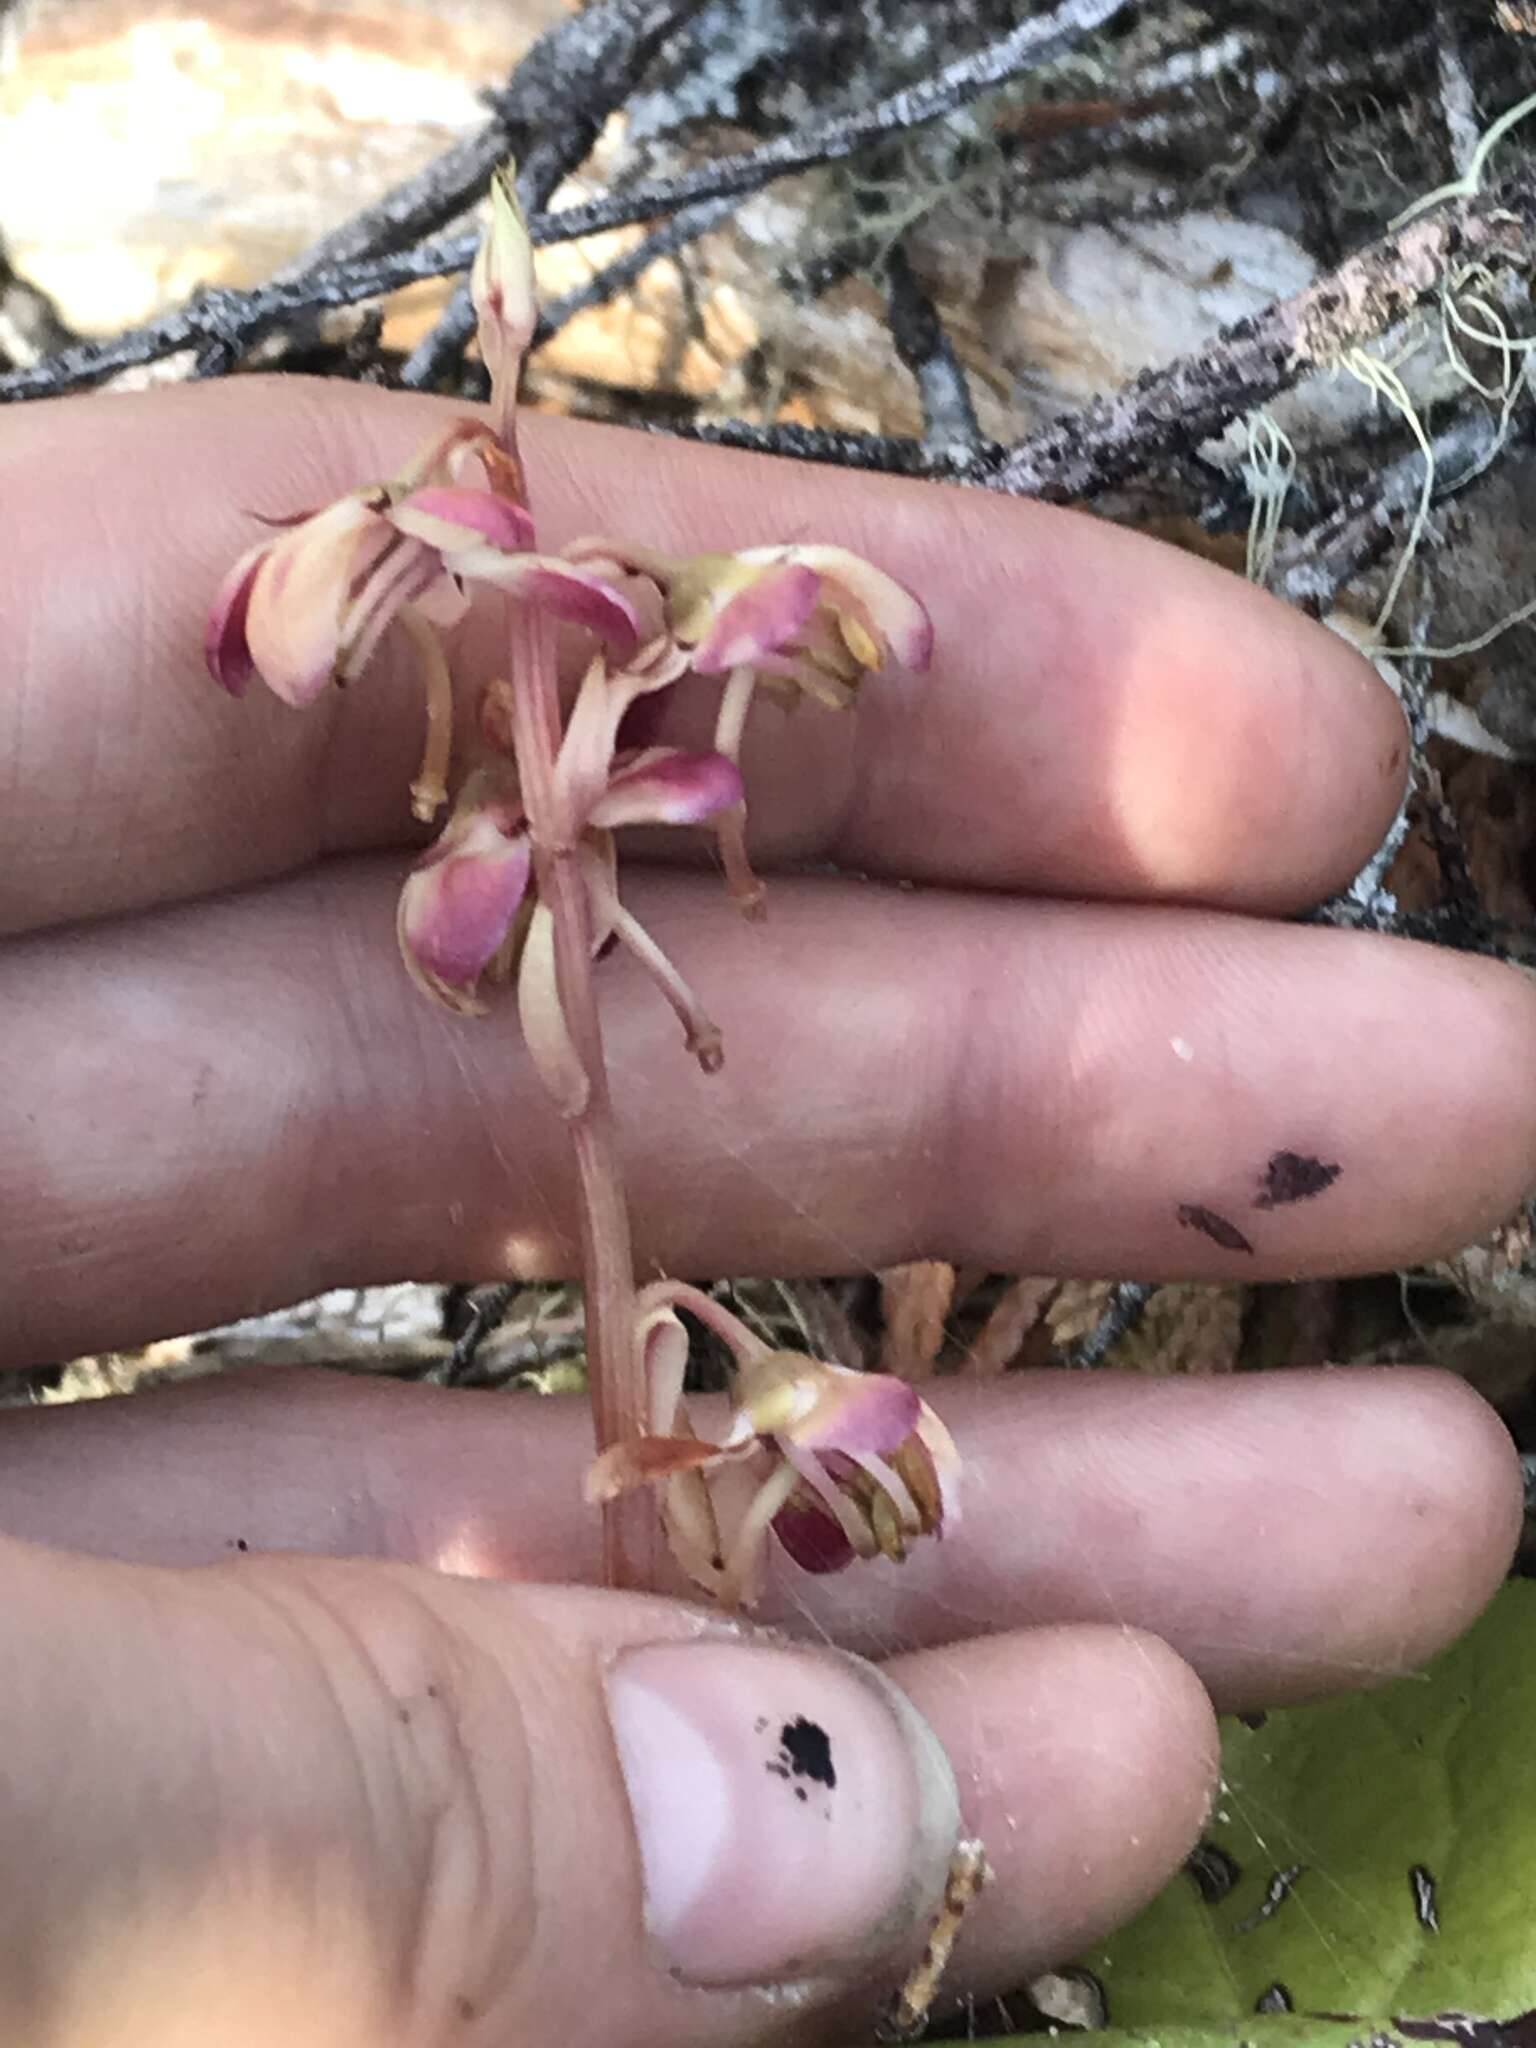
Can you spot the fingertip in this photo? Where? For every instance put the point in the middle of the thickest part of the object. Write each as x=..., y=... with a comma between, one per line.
x=1450, y=1478
x=1089, y=1760
x=1274, y=760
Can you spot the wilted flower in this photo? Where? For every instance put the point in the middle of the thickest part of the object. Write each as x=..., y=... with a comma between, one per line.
x=459, y=903
x=460, y=915
x=803, y=620
x=310, y=606
x=814, y=618
x=857, y=1464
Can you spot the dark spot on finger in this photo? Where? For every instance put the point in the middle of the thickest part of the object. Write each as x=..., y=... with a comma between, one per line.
x=1193, y=1216
x=1294, y=1177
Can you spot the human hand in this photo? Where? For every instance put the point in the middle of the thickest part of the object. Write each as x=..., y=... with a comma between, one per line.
x=315, y=1799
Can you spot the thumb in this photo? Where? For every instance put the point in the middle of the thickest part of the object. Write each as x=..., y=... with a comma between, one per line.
x=320, y=1802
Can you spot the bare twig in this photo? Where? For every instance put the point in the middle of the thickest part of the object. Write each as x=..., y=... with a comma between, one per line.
x=949, y=416
x=1040, y=40
x=890, y=454
x=547, y=115
x=1315, y=566
x=1458, y=103
x=31, y=326
x=1248, y=363
x=234, y=320
x=626, y=270
x=1126, y=1307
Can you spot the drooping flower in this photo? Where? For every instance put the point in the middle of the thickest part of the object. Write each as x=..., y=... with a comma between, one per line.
x=849, y=1464
x=460, y=902
x=469, y=912
x=310, y=606
x=816, y=619
x=803, y=621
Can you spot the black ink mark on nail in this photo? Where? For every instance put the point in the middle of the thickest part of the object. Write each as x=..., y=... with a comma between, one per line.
x=806, y=1752
x=1425, y=1909
x=1214, y=1871
x=1216, y=1228
x=760, y=1725
x=1275, y=1999
x=1276, y=1892
x=1294, y=1177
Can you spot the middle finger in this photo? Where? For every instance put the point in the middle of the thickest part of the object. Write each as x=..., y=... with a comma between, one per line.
x=262, y=1108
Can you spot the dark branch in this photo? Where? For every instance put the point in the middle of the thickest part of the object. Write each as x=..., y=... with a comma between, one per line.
x=1188, y=401
x=1127, y=1305
x=949, y=416
x=1040, y=40
x=1312, y=569
x=547, y=115
x=624, y=271
x=888, y=454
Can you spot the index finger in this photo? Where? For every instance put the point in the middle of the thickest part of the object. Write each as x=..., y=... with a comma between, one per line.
x=1105, y=717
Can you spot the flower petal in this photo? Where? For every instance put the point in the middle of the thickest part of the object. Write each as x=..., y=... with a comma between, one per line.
x=820, y=1407
x=887, y=610
x=642, y=1460
x=667, y=786
x=225, y=647
x=458, y=904
x=759, y=619
x=574, y=595
x=300, y=594
x=403, y=575
x=545, y=1031
x=449, y=517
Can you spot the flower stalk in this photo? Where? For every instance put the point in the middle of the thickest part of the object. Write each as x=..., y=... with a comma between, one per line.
x=521, y=887
x=614, y=1378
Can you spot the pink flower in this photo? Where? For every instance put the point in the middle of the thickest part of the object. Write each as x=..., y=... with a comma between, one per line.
x=851, y=1464
x=802, y=620
x=460, y=902
x=310, y=606
x=817, y=619
x=468, y=911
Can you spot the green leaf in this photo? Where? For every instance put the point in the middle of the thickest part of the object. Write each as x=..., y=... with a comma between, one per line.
x=1379, y=1854
x=1393, y=1808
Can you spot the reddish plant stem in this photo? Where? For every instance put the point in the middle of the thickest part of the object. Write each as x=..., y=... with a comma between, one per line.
x=614, y=1365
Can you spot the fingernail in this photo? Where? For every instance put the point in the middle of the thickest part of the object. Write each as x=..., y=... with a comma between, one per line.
x=795, y=1814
